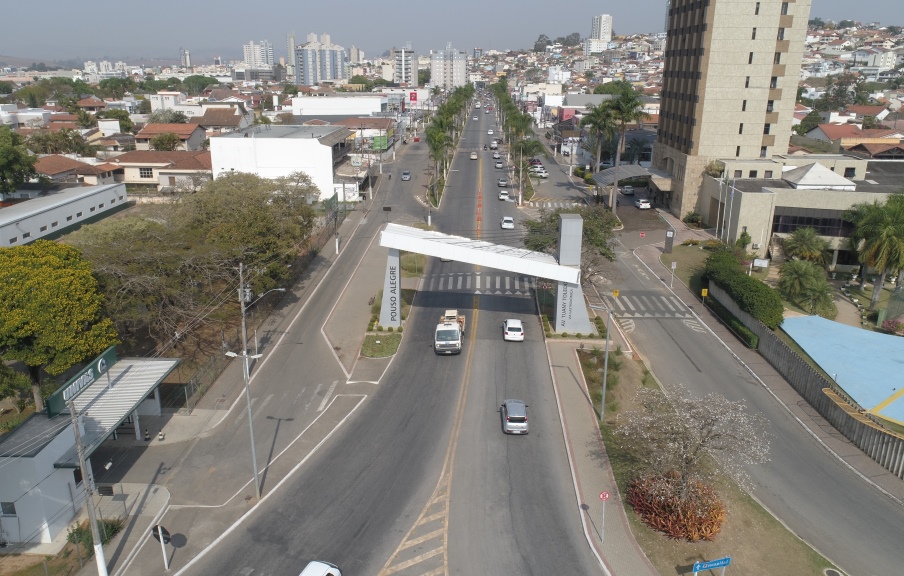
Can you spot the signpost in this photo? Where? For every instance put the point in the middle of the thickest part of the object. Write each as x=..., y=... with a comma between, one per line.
x=720, y=563
x=704, y=293
x=162, y=535
x=603, y=497
x=672, y=281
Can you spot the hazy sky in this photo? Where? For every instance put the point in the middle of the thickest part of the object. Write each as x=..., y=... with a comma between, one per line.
x=133, y=30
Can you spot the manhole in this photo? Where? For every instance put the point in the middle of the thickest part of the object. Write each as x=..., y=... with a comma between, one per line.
x=832, y=572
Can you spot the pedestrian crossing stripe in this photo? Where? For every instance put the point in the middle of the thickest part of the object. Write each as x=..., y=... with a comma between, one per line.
x=537, y=204
x=647, y=306
x=480, y=284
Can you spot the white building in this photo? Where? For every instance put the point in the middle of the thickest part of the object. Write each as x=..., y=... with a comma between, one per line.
x=167, y=100
x=273, y=151
x=320, y=61
x=344, y=105
x=601, y=28
x=258, y=55
x=15, y=117
x=448, y=68
x=595, y=46
x=405, y=67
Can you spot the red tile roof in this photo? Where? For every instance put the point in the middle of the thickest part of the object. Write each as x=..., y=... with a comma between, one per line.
x=183, y=131
x=56, y=164
x=217, y=117
x=862, y=110
x=177, y=160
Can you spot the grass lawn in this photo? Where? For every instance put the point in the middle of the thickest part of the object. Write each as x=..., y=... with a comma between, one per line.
x=689, y=268
x=412, y=264
x=757, y=542
x=381, y=345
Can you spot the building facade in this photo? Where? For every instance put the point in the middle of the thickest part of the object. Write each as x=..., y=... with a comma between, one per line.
x=729, y=86
x=291, y=46
x=601, y=28
x=258, y=55
x=320, y=61
x=405, y=65
x=448, y=68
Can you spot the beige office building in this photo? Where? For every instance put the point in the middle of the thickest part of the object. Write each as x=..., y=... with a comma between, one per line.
x=729, y=86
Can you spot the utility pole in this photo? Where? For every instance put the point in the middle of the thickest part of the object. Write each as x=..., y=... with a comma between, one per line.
x=257, y=480
x=88, y=481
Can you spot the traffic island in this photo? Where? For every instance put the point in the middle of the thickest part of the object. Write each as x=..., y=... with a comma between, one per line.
x=381, y=345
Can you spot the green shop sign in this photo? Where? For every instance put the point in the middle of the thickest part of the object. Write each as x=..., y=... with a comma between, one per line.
x=78, y=383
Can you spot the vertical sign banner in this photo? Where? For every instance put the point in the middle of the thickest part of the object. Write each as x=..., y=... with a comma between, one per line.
x=391, y=308
x=412, y=96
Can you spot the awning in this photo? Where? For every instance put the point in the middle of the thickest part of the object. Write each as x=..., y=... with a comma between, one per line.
x=607, y=176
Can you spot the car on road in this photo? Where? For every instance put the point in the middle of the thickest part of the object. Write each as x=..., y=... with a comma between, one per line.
x=490, y=131
x=627, y=190
x=474, y=118
x=514, y=416
x=487, y=111
x=535, y=162
x=643, y=204
x=496, y=155
x=539, y=173
x=512, y=330
x=502, y=182
x=473, y=155
x=507, y=223
x=566, y=153
x=319, y=568
x=499, y=164
x=503, y=195
x=406, y=175
x=494, y=145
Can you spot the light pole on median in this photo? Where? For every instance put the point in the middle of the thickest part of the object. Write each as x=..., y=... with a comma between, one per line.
x=246, y=369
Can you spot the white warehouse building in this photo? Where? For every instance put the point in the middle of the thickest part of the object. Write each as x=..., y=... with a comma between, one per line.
x=272, y=151
x=351, y=105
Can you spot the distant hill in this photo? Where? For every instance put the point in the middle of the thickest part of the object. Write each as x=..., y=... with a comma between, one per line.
x=18, y=62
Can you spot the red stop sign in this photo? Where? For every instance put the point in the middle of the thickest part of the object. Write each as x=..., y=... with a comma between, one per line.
x=643, y=234
x=604, y=496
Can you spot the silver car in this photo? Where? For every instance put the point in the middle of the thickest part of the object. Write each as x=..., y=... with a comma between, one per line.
x=514, y=416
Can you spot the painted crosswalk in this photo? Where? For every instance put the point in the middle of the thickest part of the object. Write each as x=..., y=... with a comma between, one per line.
x=553, y=205
x=477, y=283
x=647, y=305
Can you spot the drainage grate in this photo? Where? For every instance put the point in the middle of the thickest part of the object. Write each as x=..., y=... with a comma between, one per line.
x=831, y=572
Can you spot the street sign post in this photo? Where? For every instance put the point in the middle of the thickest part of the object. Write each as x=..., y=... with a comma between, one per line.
x=704, y=293
x=162, y=535
x=720, y=563
x=603, y=496
x=672, y=281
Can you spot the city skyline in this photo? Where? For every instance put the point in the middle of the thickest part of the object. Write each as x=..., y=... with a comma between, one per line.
x=375, y=32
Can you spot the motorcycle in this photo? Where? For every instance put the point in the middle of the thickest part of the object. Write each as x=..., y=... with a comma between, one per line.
x=485, y=147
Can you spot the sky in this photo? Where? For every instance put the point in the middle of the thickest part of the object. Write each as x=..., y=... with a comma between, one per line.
x=132, y=31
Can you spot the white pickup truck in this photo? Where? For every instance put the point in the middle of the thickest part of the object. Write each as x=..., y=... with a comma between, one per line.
x=450, y=332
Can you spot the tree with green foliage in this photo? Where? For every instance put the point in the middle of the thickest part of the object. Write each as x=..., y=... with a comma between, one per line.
x=810, y=121
x=116, y=87
x=615, y=87
x=51, y=314
x=65, y=141
x=423, y=77
x=167, y=116
x=6, y=87
x=804, y=283
x=17, y=166
x=598, y=238
x=626, y=108
x=125, y=120
x=879, y=235
x=806, y=244
x=724, y=268
x=817, y=23
x=542, y=42
x=290, y=90
x=165, y=142
x=846, y=24
x=195, y=84
x=85, y=120
x=15, y=386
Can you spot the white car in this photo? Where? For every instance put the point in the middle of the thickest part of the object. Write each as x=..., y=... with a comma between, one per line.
x=503, y=195
x=496, y=156
x=499, y=164
x=321, y=569
x=540, y=174
x=507, y=223
x=643, y=204
x=627, y=190
x=490, y=131
x=502, y=182
x=406, y=175
x=473, y=155
x=474, y=118
x=512, y=330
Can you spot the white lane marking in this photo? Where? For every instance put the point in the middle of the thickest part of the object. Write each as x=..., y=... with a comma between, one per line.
x=326, y=398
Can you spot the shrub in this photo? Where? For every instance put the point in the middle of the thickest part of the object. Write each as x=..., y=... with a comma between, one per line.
x=657, y=500
x=390, y=329
x=588, y=179
x=400, y=329
x=692, y=218
x=579, y=172
x=548, y=334
x=564, y=334
x=894, y=326
x=691, y=242
x=752, y=296
x=578, y=336
x=379, y=328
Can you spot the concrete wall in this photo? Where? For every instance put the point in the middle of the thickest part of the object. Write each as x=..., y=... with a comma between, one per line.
x=832, y=403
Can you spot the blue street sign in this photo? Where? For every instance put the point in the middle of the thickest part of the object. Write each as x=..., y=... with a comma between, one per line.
x=720, y=563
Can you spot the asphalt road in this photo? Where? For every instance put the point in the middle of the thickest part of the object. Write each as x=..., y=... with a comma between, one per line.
x=811, y=491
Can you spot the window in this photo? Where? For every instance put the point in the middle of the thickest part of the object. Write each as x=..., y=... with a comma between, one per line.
x=762, y=151
x=773, y=83
x=78, y=214
x=68, y=218
x=54, y=224
x=738, y=174
x=93, y=209
x=741, y=128
x=101, y=205
x=753, y=36
x=778, y=58
x=13, y=240
x=750, y=58
x=744, y=106
x=747, y=82
x=784, y=8
x=145, y=172
x=737, y=152
x=26, y=235
x=770, y=105
x=767, y=174
x=850, y=172
x=767, y=128
x=753, y=174
x=8, y=508
x=43, y=228
x=781, y=34
x=756, y=10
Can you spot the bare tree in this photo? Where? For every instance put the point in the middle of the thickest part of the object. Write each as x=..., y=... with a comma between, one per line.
x=694, y=439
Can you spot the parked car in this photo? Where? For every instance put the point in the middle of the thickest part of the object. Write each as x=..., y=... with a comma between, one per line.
x=540, y=174
x=321, y=569
x=643, y=204
x=496, y=155
x=490, y=131
x=535, y=162
x=566, y=153
x=512, y=330
x=627, y=190
x=473, y=155
x=499, y=164
x=406, y=175
x=502, y=182
x=503, y=195
x=474, y=118
x=507, y=223
x=514, y=416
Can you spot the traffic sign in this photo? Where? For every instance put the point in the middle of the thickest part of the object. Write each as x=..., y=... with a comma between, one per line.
x=161, y=532
x=604, y=496
x=615, y=293
x=704, y=292
x=720, y=563
x=643, y=234
x=674, y=265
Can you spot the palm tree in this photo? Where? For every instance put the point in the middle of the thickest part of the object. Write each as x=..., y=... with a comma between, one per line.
x=634, y=149
x=602, y=127
x=882, y=231
x=806, y=244
x=797, y=277
x=522, y=149
x=626, y=108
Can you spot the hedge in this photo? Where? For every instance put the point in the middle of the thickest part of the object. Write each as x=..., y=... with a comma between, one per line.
x=724, y=269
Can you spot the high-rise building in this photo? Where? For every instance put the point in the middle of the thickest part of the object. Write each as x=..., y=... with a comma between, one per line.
x=601, y=28
x=291, y=46
x=404, y=65
x=187, y=59
x=320, y=61
x=355, y=55
x=448, y=68
x=729, y=86
x=258, y=55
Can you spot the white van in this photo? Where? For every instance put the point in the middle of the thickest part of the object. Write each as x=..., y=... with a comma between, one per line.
x=321, y=569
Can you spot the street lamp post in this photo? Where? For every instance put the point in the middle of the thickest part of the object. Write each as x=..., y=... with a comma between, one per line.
x=605, y=362
x=246, y=369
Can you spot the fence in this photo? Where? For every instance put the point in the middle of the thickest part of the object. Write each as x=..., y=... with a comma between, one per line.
x=832, y=403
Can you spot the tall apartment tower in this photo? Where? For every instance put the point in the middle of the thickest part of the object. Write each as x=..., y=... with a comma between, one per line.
x=320, y=61
x=729, y=86
x=601, y=28
x=290, y=51
x=448, y=68
x=258, y=55
x=404, y=65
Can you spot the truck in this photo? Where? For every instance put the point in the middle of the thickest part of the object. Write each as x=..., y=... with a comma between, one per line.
x=450, y=333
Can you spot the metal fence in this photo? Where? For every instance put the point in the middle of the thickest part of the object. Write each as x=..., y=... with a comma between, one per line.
x=832, y=403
